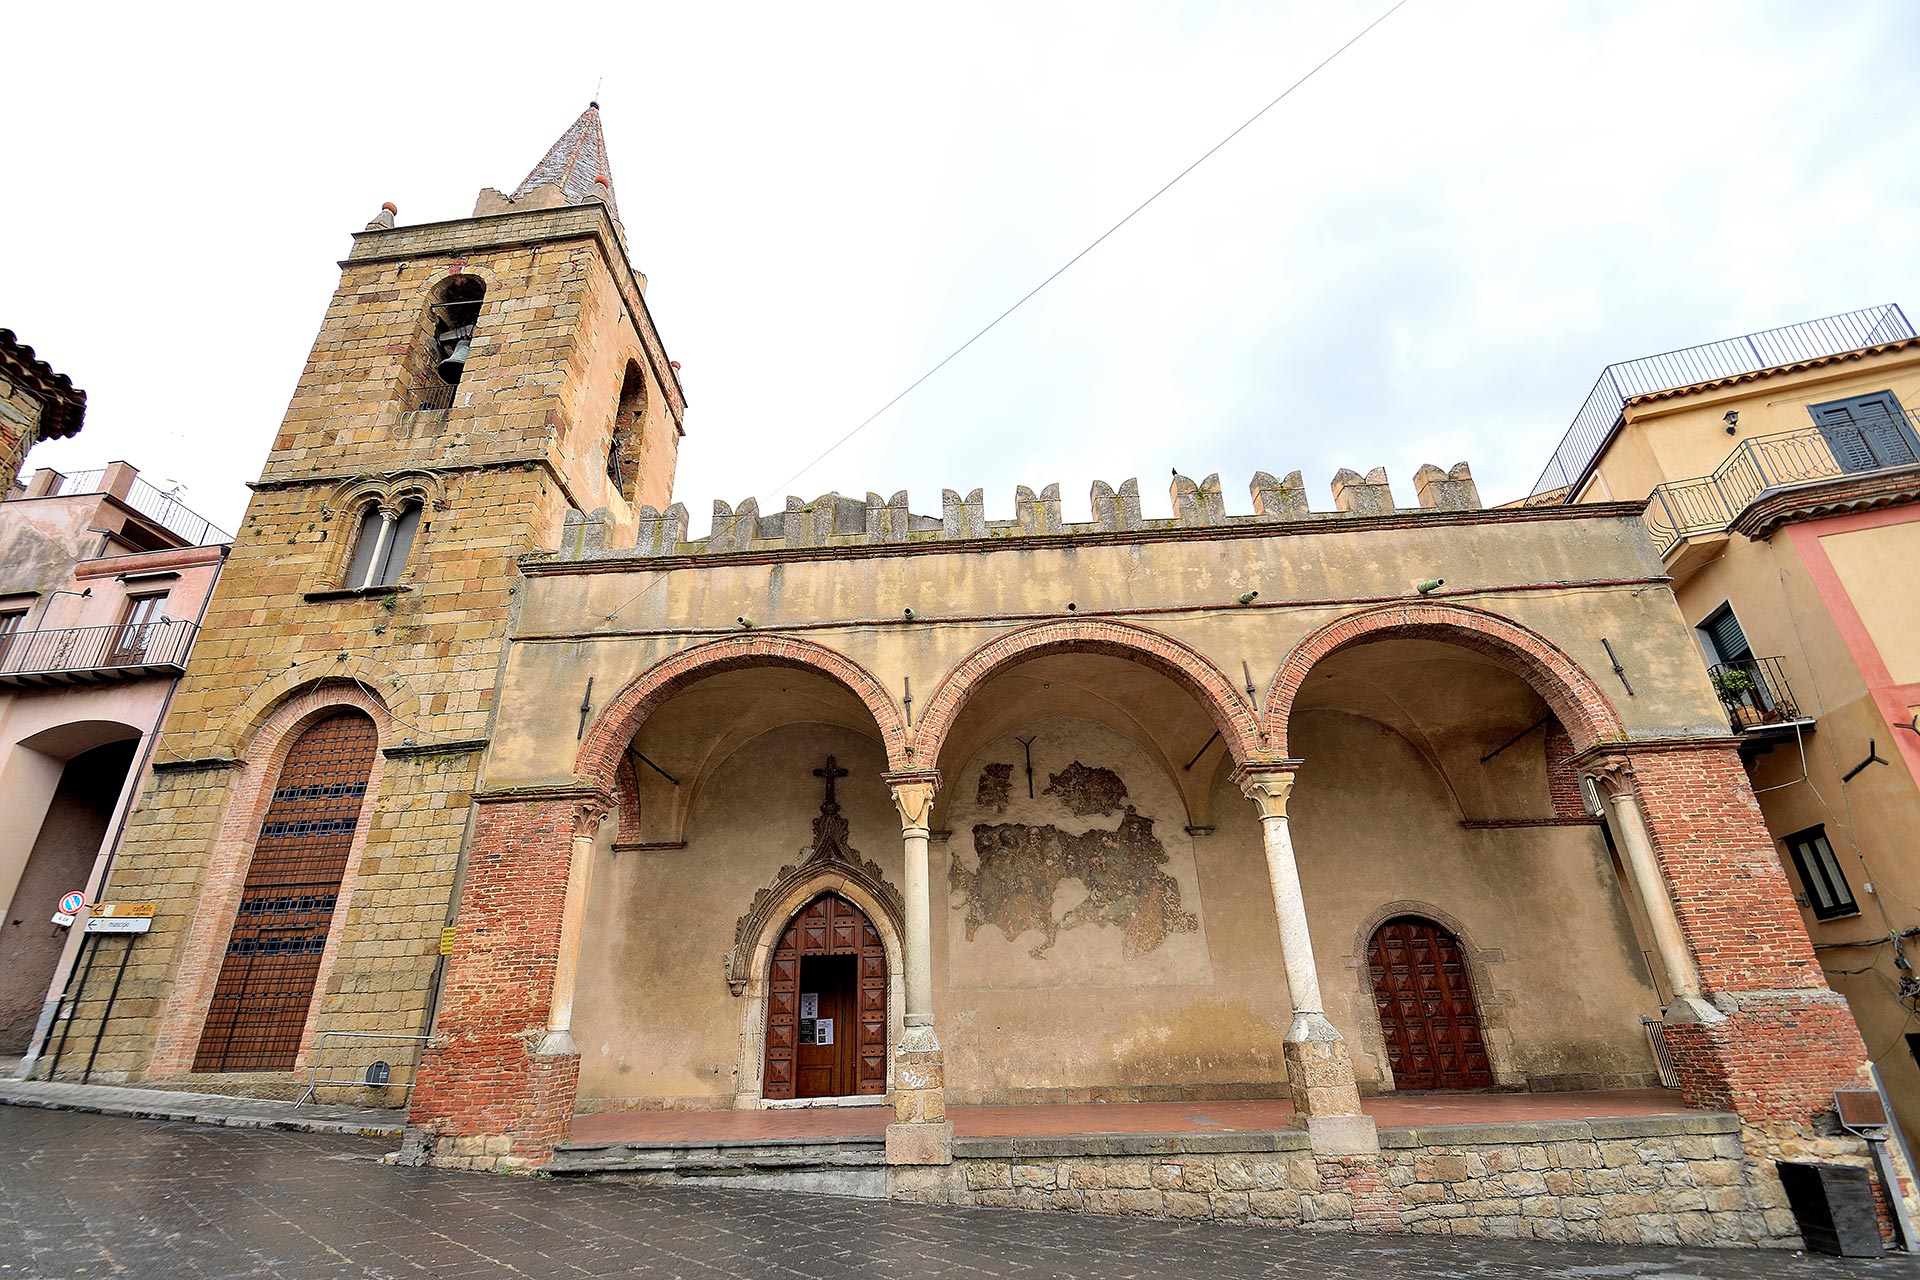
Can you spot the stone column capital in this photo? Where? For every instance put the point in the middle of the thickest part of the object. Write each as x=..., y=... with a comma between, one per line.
x=1268, y=784
x=1612, y=775
x=913, y=792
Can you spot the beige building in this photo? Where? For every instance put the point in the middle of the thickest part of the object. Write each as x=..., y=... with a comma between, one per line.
x=878, y=827
x=1780, y=472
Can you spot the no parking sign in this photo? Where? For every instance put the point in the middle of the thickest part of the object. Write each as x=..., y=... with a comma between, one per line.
x=70, y=906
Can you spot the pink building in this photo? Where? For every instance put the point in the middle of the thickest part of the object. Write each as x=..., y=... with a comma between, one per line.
x=103, y=578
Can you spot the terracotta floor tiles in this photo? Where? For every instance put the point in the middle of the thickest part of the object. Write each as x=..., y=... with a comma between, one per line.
x=1391, y=1111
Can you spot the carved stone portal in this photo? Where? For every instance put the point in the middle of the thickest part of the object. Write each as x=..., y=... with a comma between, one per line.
x=829, y=855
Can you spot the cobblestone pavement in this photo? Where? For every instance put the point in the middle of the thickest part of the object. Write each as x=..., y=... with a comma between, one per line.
x=92, y=1196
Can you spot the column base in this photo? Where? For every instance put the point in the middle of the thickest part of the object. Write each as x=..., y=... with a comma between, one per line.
x=1772, y=1057
x=1343, y=1135
x=919, y=1144
x=1320, y=1077
x=453, y=1125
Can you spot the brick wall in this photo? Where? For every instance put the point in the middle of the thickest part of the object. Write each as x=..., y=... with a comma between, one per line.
x=484, y=1094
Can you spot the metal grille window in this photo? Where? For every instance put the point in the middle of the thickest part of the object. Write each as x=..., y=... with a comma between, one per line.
x=1827, y=890
x=266, y=985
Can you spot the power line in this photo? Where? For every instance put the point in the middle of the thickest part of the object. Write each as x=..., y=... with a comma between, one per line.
x=1068, y=264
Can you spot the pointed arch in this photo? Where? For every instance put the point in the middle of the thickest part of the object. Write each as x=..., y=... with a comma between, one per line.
x=1565, y=686
x=1238, y=725
x=606, y=741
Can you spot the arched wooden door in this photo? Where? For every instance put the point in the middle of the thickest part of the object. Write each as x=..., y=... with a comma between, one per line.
x=1425, y=1000
x=827, y=1005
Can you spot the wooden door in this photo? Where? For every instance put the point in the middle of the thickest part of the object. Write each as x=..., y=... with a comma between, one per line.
x=1427, y=1013
x=832, y=952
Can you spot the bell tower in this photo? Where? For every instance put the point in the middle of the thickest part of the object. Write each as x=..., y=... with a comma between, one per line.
x=474, y=382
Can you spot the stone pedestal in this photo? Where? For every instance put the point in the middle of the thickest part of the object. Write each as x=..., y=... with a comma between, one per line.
x=1326, y=1098
x=920, y=1133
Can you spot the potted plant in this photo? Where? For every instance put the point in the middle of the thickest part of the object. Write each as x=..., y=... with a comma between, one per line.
x=1736, y=689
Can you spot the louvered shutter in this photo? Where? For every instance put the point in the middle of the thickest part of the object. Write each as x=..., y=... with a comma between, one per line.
x=1729, y=641
x=1866, y=432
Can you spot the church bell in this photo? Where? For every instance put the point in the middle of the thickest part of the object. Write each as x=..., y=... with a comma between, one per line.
x=455, y=342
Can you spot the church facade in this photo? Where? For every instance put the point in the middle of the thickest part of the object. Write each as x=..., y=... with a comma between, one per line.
x=482, y=759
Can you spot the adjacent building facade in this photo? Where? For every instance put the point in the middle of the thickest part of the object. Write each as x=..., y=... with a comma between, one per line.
x=485, y=762
x=1780, y=473
x=102, y=581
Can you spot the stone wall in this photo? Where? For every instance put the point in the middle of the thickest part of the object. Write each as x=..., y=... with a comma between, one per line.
x=1681, y=1179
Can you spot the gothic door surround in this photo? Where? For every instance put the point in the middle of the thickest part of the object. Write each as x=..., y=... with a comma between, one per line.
x=831, y=960
x=1425, y=1001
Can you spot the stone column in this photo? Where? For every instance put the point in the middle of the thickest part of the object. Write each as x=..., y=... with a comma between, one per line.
x=921, y=1133
x=382, y=540
x=496, y=1085
x=1613, y=776
x=1769, y=1039
x=1326, y=1099
x=587, y=817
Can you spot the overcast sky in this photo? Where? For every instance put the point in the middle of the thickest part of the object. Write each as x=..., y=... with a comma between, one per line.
x=1425, y=255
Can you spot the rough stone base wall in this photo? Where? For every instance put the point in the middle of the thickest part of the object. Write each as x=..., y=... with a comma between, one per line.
x=1645, y=1180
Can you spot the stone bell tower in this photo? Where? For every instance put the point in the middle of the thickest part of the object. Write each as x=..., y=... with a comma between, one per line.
x=475, y=383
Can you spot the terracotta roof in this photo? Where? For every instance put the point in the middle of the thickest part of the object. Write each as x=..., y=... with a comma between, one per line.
x=574, y=162
x=66, y=404
x=1756, y=375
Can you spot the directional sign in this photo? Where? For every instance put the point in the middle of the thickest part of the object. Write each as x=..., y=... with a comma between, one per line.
x=71, y=903
x=127, y=909
x=118, y=924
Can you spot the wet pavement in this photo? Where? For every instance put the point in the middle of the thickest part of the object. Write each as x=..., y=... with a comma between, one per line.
x=92, y=1196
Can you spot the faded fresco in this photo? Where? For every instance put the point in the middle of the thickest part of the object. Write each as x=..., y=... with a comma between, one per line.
x=1079, y=882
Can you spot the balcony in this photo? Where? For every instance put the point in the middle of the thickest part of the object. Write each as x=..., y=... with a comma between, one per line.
x=1758, y=701
x=1594, y=425
x=95, y=655
x=163, y=508
x=1764, y=465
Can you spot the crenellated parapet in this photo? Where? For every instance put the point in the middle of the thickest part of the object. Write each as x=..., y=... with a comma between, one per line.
x=832, y=520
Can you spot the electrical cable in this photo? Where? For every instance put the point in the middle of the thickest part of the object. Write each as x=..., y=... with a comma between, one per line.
x=1027, y=297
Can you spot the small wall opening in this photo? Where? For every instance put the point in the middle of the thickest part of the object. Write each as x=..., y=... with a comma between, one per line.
x=624, y=446
x=438, y=358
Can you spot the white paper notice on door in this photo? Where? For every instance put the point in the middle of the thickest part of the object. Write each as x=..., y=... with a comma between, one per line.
x=823, y=1031
x=810, y=1004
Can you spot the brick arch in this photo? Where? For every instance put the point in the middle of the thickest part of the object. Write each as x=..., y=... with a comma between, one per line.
x=606, y=741
x=1565, y=686
x=1239, y=726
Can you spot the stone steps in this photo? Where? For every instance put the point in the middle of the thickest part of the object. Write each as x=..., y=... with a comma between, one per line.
x=846, y=1166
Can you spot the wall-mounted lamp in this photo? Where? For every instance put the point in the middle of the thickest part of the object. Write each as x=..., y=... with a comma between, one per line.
x=1732, y=419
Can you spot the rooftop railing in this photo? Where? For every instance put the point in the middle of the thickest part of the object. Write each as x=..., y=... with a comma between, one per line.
x=163, y=508
x=1619, y=383
x=1708, y=504
x=77, y=655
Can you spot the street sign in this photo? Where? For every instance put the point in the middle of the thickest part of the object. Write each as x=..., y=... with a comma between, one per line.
x=124, y=909
x=118, y=924
x=70, y=903
x=62, y=919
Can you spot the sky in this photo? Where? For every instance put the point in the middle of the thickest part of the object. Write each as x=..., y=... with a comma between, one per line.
x=1426, y=254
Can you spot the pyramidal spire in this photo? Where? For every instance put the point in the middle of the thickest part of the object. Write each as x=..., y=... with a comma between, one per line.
x=577, y=164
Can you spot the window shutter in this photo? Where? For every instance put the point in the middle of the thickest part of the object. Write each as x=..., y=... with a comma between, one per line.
x=1866, y=432
x=1729, y=641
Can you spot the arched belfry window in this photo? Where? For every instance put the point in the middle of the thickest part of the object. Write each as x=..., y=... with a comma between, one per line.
x=439, y=357
x=272, y=965
x=629, y=428
x=383, y=542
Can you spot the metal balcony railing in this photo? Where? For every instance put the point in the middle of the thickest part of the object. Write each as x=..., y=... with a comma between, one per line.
x=1755, y=693
x=74, y=655
x=155, y=503
x=1727, y=358
x=1707, y=504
